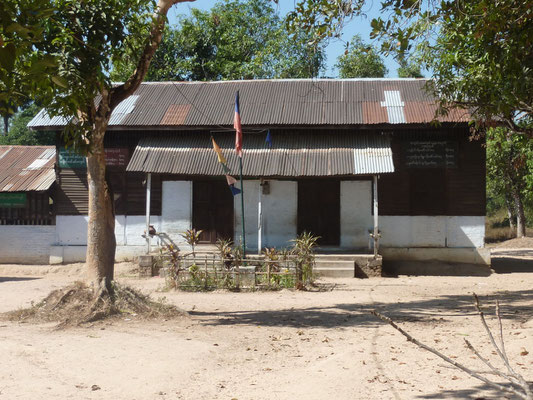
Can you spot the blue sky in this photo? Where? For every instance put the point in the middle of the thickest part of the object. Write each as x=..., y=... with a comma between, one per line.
x=335, y=47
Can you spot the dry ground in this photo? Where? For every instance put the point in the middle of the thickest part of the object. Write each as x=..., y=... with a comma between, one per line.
x=265, y=345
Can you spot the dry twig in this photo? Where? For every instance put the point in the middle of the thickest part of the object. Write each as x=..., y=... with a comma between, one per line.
x=517, y=384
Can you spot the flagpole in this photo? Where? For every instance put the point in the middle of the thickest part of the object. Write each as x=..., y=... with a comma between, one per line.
x=238, y=150
x=242, y=211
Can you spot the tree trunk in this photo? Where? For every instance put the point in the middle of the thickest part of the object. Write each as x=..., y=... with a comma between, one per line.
x=101, y=241
x=510, y=211
x=6, y=124
x=520, y=215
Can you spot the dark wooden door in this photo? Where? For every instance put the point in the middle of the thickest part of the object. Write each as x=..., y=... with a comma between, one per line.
x=319, y=210
x=212, y=210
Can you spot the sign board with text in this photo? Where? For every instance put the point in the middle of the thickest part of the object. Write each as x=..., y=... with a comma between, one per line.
x=68, y=158
x=13, y=200
x=430, y=154
x=116, y=157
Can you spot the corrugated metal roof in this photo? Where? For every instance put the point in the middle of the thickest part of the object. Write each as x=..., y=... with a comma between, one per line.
x=26, y=168
x=295, y=155
x=373, y=156
x=43, y=119
x=283, y=102
x=124, y=108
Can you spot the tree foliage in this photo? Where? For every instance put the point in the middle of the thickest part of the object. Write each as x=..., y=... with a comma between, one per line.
x=86, y=38
x=483, y=60
x=22, y=71
x=360, y=61
x=510, y=171
x=236, y=39
x=409, y=69
x=480, y=52
x=79, y=42
x=20, y=134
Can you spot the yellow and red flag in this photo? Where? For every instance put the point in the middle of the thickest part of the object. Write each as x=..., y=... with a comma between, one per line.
x=218, y=150
x=237, y=126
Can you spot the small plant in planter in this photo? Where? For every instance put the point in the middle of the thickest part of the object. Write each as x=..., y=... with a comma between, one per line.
x=192, y=237
x=303, y=250
x=272, y=254
x=237, y=253
x=225, y=250
x=224, y=247
x=170, y=259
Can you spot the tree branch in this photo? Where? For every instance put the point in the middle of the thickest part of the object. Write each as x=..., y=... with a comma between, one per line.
x=491, y=337
x=489, y=364
x=507, y=389
x=126, y=89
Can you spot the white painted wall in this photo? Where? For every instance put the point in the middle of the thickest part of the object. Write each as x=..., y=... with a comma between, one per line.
x=70, y=254
x=412, y=231
x=280, y=213
x=71, y=230
x=280, y=220
x=176, y=209
x=465, y=231
x=279, y=223
x=434, y=231
x=356, y=213
x=26, y=244
x=279, y=209
x=135, y=227
x=251, y=188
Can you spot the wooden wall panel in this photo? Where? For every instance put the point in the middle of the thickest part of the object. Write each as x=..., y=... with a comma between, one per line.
x=128, y=188
x=72, y=192
x=435, y=191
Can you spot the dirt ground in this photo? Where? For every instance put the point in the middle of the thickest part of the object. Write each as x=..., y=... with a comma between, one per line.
x=265, y=345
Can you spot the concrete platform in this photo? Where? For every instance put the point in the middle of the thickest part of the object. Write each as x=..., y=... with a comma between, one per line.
x=348, y=265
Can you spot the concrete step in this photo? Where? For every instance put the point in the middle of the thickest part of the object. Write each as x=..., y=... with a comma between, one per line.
x=335, y=272
x=335, y=268
x=343, y=257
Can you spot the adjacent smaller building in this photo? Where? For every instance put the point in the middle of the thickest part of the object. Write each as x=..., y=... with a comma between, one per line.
x=27, y=215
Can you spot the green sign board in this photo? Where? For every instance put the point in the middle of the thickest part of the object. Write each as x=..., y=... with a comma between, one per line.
x=70, y=159
x=13, y=200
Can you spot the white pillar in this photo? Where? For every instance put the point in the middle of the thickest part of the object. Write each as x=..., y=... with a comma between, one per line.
x=259, y=220
x=376, y=227
x=147, y=232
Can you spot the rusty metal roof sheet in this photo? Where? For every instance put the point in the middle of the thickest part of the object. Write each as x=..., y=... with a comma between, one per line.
x=26, y=168
x=289, y=156
x=277, y=102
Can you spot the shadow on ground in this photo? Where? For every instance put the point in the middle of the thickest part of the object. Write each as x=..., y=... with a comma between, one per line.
x=515, y=306
x=503, y=263
x=475, y=393
x=15, y=279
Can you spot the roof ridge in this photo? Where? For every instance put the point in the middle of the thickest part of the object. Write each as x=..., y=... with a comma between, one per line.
x=285, y=80
x=28, y=146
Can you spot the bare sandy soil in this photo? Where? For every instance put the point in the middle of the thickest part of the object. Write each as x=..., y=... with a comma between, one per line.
x=265, y=345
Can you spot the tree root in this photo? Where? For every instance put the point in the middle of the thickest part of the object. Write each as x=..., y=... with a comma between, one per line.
x=79, y=304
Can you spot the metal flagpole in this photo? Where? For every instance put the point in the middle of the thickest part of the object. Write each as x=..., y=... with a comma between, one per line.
x=242, y=211
x=238, y=150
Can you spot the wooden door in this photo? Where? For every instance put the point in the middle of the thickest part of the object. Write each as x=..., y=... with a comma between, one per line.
x=319, y=210
x=212, y=210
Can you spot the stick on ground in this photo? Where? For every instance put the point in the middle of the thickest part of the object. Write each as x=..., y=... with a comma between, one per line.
x=517, y=383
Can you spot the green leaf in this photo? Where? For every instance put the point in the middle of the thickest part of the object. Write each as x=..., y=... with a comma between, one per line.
x=60, y=81
x=7, y=56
